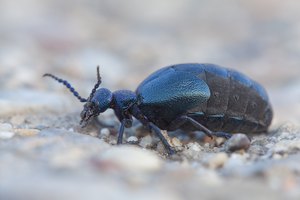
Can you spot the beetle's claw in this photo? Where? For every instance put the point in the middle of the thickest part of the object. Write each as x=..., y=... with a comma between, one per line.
x=171, y=151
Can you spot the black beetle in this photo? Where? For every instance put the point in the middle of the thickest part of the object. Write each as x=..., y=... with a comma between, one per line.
x=204, y=97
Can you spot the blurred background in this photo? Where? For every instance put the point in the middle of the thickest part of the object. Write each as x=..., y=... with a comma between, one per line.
x=130, y=39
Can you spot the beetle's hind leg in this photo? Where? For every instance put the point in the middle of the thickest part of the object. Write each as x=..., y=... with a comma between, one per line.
x=177, y=123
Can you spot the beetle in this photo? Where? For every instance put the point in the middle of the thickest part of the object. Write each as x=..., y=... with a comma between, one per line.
x=193, y=97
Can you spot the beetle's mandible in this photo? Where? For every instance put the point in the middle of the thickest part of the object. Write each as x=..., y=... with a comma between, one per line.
x=204, y=97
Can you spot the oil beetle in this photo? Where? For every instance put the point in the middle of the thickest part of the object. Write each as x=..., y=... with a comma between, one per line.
x=202, y=97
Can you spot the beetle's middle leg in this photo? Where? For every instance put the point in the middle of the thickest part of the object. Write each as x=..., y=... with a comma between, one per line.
x=178, y=122
x=139, y=116
x=162, y=138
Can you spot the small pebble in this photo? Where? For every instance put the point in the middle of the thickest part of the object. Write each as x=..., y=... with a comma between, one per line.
x=6, y=134
x=17, y=119
x=219, y=141
x=146, y=142
x=26, y=132
x=257, y=150
x=217, y=160
x=5, y=127
x=194, y=146
x=104, y=132
x=235, y=161
x=112, y=141
x=176, y=143
x=92, y=133
x=132, y=140
x=160, y=148
x=193, y=151
x=237, y=142
x=277, y=156
x=206, y=145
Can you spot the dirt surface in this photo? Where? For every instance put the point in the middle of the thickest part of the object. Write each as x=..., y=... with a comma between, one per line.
x=45, y=154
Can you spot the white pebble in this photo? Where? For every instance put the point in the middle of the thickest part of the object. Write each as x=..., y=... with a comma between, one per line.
x=160, y=148
x=5, y=127
x=146, y=142
x=17, y=120
x=176, y=143
x=71, y=129
x=193, y=150
x=235, y=160
x=194, y=146
x=206, y=145
x=26, y=132
x=215, y=161
x=277, y=156
x=6, y=134
x=132, y=139
x=104, y=132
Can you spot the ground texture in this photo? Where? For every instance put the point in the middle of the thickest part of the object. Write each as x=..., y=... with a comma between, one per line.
x=45, y=154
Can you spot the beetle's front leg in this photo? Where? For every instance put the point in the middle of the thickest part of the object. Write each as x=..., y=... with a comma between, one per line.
x=124, y=123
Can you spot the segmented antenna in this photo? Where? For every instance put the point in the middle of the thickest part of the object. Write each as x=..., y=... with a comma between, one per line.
x=68, y=85
x=96, y=85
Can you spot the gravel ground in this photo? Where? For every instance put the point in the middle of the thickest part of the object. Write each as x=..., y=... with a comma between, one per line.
x=45, y=154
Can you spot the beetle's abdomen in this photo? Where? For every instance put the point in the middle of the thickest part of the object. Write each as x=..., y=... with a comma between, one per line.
x=235, y=103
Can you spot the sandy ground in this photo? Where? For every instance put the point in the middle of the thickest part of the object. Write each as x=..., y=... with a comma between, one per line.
x=46, y=155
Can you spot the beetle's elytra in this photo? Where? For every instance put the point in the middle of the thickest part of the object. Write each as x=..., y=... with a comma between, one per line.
x=204, y=97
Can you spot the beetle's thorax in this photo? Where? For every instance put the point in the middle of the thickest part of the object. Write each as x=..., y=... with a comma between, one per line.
x=122, y=101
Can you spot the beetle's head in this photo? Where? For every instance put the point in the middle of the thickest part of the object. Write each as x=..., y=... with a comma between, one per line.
x=98, y=103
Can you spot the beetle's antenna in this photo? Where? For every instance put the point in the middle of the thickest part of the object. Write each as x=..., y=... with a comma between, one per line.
x=68, y=85
x=96, y=85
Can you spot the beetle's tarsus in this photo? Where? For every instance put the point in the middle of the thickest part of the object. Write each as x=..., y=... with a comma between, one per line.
x=171, y=151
